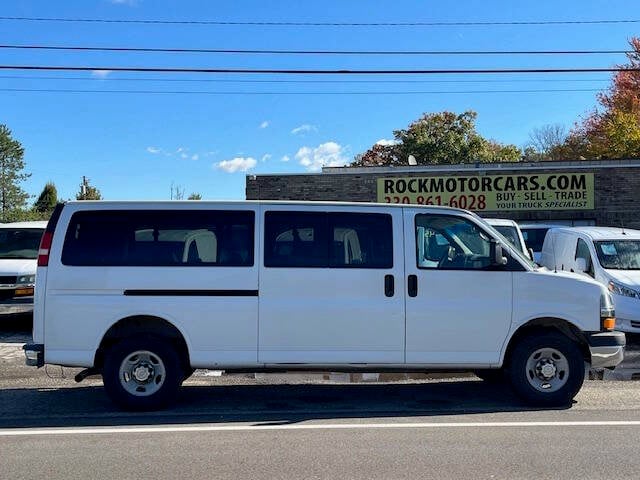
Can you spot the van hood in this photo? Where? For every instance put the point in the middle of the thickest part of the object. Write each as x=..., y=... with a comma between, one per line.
x=570, y=275
x=17, y=266
x=627, y=277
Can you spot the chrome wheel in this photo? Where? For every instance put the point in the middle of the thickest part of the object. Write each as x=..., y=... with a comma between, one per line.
x=547, y=370
x=142, y=373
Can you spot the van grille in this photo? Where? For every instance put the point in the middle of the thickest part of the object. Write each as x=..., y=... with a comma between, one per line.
x=8, y=280
x=635, y=324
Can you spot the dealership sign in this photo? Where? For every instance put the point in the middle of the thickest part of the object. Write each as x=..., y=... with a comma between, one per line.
x=554, y=191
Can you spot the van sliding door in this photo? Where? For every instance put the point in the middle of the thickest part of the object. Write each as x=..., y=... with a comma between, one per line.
x=331, y=286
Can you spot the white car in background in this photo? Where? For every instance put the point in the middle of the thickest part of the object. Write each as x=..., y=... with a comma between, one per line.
x=609, y=255
x=19, y=244
x=511, y=231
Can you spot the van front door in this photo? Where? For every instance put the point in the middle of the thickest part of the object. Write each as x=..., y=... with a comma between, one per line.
x=458, y=305
x=331, y=285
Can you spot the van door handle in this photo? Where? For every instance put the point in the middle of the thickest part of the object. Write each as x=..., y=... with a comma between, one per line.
x=412, y=284
x=389, y=287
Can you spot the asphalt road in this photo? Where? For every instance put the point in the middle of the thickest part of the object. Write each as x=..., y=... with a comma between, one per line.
x=286, y=427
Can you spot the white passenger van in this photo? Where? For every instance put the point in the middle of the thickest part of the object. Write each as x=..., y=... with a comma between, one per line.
x=609, y=255
x=145, y=292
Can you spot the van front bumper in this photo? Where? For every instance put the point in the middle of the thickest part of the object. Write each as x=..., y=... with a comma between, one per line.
x=16, y=305
x=34, y=354
x=607, y=348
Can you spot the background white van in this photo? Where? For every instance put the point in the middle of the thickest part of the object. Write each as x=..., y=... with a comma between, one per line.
x=609, y=255
x=18, y=253
x=511, y=231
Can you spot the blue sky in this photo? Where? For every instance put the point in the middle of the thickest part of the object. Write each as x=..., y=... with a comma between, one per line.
x=134, y=146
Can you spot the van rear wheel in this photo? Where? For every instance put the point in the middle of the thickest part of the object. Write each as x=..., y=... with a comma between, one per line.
x=547, y=369
x=142, y=373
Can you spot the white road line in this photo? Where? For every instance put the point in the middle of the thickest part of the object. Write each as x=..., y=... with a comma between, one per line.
x=17, y=432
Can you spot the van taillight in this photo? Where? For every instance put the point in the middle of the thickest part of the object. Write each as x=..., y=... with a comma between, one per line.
x=45, y=247
x=47, y=236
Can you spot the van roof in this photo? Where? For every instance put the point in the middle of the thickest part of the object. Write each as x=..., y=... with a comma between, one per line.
x=38, y=224
x=192, y=203
x=603, y=233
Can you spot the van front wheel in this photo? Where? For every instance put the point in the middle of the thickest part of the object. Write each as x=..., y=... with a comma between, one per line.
x=142, y=373
x=547, y=369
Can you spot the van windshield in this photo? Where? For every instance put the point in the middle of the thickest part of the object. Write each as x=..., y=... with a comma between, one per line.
x=20, y=242
x=510, y=233
x=619, y=254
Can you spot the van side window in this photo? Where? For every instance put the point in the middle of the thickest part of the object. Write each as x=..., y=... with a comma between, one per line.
x=328, y=240
x=160, y=238
x=447, y=242
x=582, y=251
x=360, y=240
x=296, y=239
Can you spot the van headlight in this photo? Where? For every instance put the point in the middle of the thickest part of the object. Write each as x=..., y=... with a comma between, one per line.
x=620, y=289
x=26, y=280
x=607, y=312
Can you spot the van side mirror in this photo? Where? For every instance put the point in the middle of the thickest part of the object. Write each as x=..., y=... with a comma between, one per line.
x=497, y=257
x=581, y=265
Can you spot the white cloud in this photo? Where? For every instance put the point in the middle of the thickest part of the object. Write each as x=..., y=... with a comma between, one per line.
x=285, y=158
x=195, y=156
x=131, y=3
x=329, y=154
x=386, y=142
x=184, y=155
x=154, y=150
x=266, y=157
x=238, y=164
x=306, y=128
x=100, y=73
x=264, y=124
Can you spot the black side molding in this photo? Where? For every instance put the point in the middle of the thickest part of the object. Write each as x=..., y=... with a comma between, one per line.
x=191, y=293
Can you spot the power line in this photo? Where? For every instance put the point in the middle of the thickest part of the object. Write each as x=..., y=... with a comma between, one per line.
x=208, y=92
x=310, y=52
x=342, y=81
x=321, y=72
x=321, y=24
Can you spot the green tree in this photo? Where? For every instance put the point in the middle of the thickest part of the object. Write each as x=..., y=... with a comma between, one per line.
x=88, y=191
x=440, y=138
x=194, y=196
x=47, y=199
x=12, y=196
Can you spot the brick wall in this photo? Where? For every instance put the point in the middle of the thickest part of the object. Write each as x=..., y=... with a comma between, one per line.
x=616, y=199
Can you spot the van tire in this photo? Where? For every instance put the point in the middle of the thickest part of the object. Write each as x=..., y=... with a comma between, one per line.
x=142, y=373
x=546, y=369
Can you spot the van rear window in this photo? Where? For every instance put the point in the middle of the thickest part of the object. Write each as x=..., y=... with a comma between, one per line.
x=160, y=238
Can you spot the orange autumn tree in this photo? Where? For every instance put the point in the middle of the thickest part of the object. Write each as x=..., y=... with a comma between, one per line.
x=613, y=129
